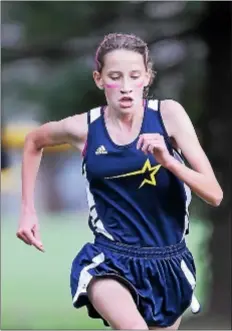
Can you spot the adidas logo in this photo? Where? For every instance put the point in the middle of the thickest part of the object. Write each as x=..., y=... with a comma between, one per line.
x=101, y=150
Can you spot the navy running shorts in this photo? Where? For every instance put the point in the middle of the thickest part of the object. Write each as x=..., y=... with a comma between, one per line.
x=161, y=280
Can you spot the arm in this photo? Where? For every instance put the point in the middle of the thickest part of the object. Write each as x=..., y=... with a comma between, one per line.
x=72, y=130
x=200, y=178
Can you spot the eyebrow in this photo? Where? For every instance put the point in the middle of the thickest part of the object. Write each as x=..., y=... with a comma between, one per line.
x=119, y=72
x=136, y=71
x=114, y=72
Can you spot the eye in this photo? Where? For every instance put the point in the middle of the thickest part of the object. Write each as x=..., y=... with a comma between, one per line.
x=135, y=76
x=115, y=77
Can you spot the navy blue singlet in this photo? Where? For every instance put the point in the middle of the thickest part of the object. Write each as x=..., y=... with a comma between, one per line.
x=133, y=199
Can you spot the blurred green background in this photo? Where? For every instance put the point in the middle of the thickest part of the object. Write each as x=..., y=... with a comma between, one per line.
x=47, y=53
x=35, y=285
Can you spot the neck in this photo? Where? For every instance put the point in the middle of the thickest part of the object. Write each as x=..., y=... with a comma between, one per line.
x=127, y=120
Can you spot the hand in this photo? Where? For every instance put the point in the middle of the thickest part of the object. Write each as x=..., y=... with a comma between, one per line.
x=154, y=143
x=28, y=231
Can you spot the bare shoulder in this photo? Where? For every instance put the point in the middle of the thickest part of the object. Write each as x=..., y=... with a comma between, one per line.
x=174, y=116
x=76, y=126
x=171, y=109
x=76, y=130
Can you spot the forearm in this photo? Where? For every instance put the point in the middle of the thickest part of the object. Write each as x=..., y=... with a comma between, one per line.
x=30, y=166
x=205, y=187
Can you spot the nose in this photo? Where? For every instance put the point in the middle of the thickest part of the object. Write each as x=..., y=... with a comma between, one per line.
x=125, y=88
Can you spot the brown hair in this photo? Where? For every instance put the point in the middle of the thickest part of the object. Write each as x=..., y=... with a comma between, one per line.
x=129, y=42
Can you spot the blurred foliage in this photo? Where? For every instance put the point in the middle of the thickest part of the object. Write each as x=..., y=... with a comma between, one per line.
x=57, y=41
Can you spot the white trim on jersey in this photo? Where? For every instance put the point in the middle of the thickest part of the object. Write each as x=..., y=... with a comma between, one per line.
x=85, y=276
x=153, y=104
x=188, y=197
x=97, y=224
x=187, y=204
x=94, y=113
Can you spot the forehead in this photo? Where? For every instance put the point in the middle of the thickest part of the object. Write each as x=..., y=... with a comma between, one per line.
x=123, y=60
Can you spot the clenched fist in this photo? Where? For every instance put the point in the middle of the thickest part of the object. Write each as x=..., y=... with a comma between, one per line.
x=154, y=143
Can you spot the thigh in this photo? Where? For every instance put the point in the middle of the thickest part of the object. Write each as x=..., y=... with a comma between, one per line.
x=114, y=302
x=175, y=326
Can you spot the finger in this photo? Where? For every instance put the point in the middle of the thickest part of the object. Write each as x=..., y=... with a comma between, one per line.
x=158, y=147
x=22, y=237
x=151, y=149
x=146, y=143
x=156, y=135
x=151, y=136
x=36, y=233
x=145, y=146
x=24, y=234
x=156, y=140
x=37, y=239
x=39, y=247
x=154, y=146
x=140, y=141
x=35, y=242
x=149, y=141
x=27, y=238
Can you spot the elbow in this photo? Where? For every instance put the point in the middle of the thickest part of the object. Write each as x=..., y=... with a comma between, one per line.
x=30, y=142
x=217, y=198
x=29, y=138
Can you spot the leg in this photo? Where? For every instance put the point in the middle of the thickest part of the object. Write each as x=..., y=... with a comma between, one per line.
x=114, y=302
x=175, y=326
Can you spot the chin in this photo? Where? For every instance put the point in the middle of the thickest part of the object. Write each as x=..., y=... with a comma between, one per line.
x=119, y=109
x=128, y=110
x=123, y=110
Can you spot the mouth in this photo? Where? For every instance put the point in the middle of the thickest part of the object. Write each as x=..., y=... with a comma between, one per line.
x=126, y=99
x=126, y=102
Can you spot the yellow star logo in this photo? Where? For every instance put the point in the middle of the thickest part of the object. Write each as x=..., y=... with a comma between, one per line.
x=152, y=171
x=147, y=168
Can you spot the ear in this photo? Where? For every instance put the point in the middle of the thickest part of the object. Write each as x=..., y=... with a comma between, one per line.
x=98, y=80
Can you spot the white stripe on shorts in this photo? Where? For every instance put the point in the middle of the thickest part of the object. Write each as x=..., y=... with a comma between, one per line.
x=85, y=276
x=195, y=305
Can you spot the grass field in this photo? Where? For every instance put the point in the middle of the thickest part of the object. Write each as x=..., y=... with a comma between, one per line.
x=35, y=286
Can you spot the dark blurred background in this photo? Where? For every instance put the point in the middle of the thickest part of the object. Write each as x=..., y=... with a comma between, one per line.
x=47, y=54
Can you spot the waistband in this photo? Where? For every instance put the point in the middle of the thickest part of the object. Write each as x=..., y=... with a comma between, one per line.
x=151, y=252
